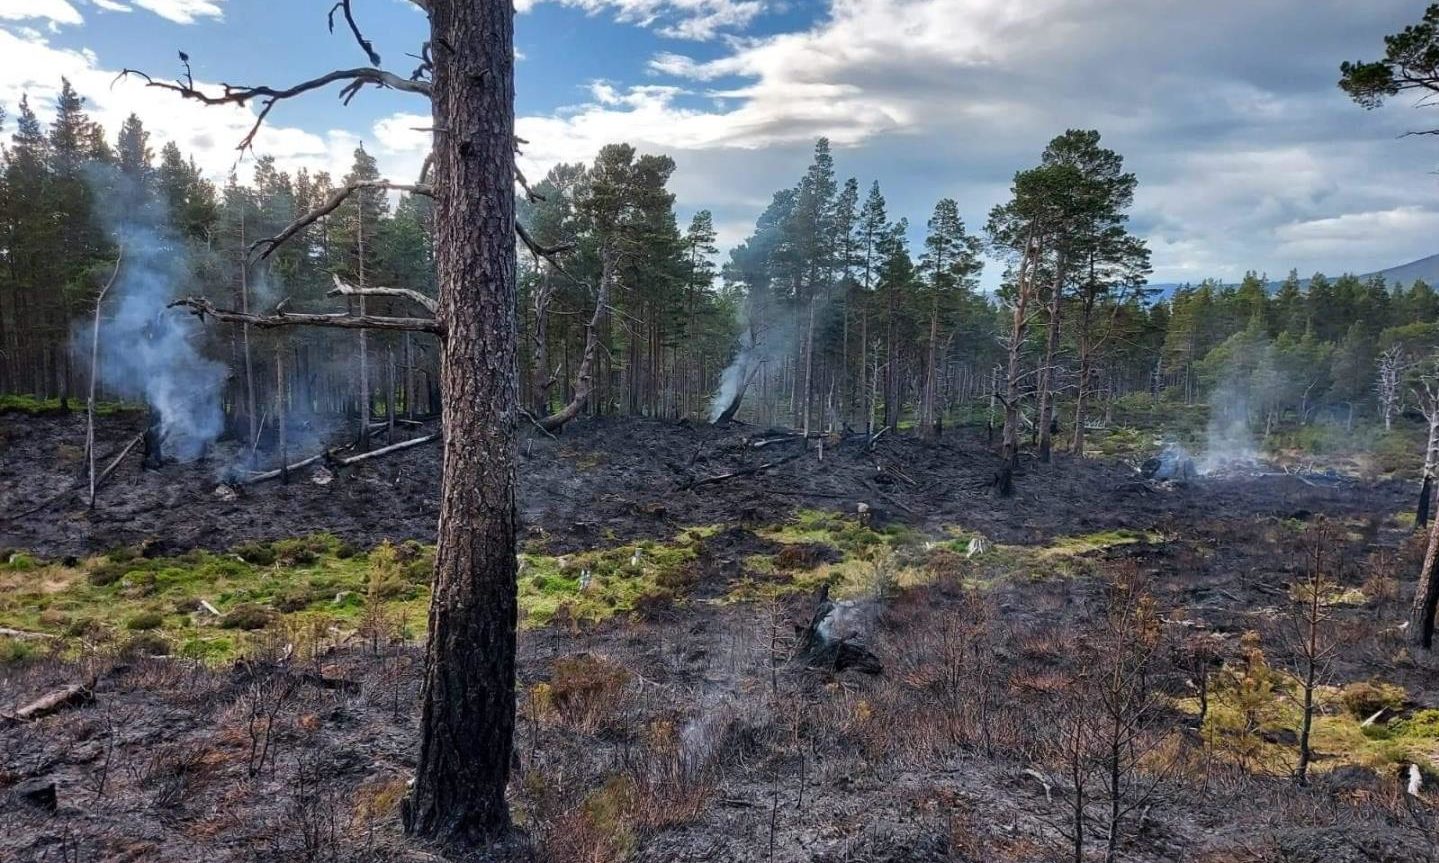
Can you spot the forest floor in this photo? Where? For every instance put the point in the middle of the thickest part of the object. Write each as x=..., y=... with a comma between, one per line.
x=256, y=656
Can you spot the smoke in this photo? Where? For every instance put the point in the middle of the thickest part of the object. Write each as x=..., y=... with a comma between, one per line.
x=769, y=340
x=148, y=351
x=1229, y=440
x=732, y=378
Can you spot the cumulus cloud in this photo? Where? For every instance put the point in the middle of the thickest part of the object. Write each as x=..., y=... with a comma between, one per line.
x=210, y=134
x=183, y=11
x=698, y=20
x=1226, y=110
x=1232, y=138
x=56, y=12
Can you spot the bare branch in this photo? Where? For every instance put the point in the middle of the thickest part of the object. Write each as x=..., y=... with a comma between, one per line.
x=202, y=307
x=543, y=251
x=239, y=95
x=329, y=205
x=343, y=289
x=365, y=44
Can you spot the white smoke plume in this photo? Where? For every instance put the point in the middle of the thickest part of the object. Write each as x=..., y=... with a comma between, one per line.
x=1229, y=440
x=764, y=338
x=147, y=351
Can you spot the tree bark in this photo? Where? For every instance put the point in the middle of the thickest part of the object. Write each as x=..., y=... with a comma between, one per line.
x=468, y=710
x=1009, y=450
x=929, y=416
x=1046, y=374
x=1426, y=596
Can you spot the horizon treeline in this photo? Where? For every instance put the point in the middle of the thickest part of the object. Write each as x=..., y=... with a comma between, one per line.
x=824, y=317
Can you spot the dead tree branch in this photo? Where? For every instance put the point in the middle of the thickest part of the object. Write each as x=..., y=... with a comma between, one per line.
x=230, y=94
x=344, y=289
x=332, y=203
x=74, y=695
x=202, y=307
x=365, y=44
x=394, y=447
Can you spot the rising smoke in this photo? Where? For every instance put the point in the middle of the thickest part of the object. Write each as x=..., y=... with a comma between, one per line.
x=1229, y=438
x=148, y=351
x=769, y=337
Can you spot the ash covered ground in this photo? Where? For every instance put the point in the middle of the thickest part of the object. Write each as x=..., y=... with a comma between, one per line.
x=617, y=480
x=685, y=732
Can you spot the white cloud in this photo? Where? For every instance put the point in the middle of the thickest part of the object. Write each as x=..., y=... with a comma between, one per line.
x=1231, y=140
x=1378, y=238
x=57, y=12
x=112, y=6
x=678, y=19
x=183, y=11
x=209, y=133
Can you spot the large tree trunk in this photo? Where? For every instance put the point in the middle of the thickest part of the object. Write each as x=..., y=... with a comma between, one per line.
x=809, y=366
x=1046, y=372
x=468, y=713
x=929, y=416
x=1426, y=596
x=891, y=377
x=1076, y=445
x=1009, y=451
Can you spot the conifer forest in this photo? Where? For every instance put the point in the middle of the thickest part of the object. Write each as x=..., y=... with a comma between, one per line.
x=536, y=508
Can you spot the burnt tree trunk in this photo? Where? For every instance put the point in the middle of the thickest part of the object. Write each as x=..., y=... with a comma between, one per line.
x=1046, y=373
x=1426, y=494
x=1009, y=448
x=468, y=711
x=1426, y=596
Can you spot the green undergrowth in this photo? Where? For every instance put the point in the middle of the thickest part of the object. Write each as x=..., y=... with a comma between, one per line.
x=315, y=583
x=594, y=585
x=896, y=556
x=1255, y=713
x=215, y=605
x=32, y=405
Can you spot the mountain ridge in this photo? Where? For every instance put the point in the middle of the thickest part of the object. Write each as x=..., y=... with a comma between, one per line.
x=1426, y=268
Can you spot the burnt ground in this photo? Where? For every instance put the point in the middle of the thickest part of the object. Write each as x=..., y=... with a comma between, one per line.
x=616, y=480
x=685, y=732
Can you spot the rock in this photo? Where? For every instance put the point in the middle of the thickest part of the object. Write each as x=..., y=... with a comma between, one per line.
x=39, y=793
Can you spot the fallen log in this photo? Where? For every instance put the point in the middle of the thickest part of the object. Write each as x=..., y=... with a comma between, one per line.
x=708, y=480
x=74, y=695
x=25, y=635
x=385, y=450
x=279, y=472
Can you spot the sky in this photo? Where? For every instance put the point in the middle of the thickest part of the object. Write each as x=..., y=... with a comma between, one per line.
x=1248, y=156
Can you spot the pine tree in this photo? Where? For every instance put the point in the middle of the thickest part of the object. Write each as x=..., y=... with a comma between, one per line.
x=950, y=265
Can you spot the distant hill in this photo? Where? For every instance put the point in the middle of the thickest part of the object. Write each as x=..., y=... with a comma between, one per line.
x=1424, y=268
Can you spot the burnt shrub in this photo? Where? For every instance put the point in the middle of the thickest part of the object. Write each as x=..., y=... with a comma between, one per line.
x=146, y=644
x=295, y=598
x=1366, y=697
x=247, y=616
x=806, y=555
x=586, y=691
x=295, y=552
x=107, y=573
x=678, y=579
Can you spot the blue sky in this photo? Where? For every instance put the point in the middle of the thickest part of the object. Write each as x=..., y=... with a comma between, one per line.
x=1248, y=156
